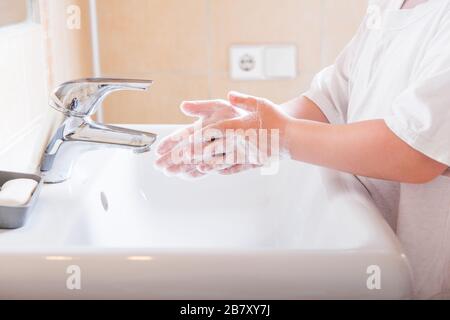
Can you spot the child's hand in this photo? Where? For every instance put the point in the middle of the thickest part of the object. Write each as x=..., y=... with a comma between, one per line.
x=245, y=142
x=229, y=141
x=207, y=112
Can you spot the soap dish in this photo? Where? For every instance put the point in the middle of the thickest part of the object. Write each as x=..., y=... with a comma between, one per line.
x=16, y=217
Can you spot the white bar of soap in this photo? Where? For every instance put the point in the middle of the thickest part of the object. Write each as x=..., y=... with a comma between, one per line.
x=15, y=193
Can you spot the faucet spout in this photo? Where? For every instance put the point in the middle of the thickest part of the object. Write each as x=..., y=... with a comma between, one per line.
x=112, y=136
x=79, y=133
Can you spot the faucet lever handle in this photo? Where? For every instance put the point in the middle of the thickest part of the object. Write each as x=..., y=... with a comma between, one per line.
x=81, y=98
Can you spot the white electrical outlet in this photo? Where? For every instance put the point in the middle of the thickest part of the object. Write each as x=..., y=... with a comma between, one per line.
x=263, y=62
x=247, y=62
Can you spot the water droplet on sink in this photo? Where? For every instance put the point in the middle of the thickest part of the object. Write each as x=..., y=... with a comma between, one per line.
x=104, y=201
x=143, y=195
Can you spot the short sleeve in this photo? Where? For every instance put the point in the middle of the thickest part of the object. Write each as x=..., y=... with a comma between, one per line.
x=421, y=114
x=329, y=91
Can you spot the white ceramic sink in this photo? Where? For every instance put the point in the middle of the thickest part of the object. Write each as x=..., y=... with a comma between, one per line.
x=132, y=232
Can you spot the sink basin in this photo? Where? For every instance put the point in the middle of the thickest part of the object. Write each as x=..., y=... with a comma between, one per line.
x=131, y=232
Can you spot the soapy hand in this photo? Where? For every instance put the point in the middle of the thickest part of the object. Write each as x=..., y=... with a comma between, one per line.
x=246, y=132
x=207, y=112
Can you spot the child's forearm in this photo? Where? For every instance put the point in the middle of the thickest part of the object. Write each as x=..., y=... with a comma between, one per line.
x=368, y=149
x=303, y=108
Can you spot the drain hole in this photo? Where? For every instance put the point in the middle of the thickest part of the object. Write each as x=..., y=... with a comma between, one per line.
x=104, y=201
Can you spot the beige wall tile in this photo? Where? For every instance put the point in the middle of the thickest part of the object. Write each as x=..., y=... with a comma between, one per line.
x=265, y=21
x=12, y=11
x=69, y=51
x=341, y=21
x=142, y=36
x=160, y=104
x=278, y=91
x=185, y=45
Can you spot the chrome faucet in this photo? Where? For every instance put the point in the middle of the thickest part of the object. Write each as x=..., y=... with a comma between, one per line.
x=78, y=101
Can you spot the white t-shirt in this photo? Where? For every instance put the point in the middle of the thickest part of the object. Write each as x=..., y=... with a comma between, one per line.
x=397, y=68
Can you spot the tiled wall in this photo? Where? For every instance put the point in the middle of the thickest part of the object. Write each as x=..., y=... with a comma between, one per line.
x=12, y=11
x=23, y=96
x=33, y=58
x=183, y=46
x=69, y=52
